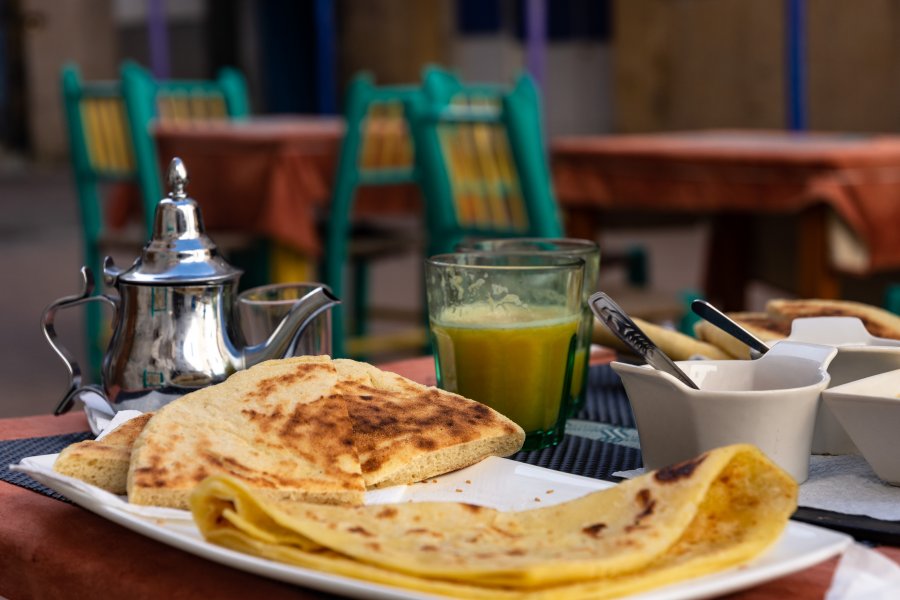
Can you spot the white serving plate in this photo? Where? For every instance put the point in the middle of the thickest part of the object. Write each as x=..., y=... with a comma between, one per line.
x=495, y=482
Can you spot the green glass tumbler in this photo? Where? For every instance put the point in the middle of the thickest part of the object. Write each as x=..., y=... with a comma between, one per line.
x=588, y=251
x=504, y=330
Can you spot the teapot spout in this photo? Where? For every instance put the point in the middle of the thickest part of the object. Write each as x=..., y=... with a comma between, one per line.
x=284, y=338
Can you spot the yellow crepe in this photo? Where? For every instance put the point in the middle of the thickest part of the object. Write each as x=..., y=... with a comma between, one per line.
x=718, y=510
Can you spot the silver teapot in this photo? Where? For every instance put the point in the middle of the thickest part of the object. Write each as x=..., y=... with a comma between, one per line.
x=175, y=329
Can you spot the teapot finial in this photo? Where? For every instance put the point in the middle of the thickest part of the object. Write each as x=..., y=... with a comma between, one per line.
x=178, y=179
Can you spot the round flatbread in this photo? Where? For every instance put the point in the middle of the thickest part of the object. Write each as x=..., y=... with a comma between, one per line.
x=277, y=427
x=878, y=321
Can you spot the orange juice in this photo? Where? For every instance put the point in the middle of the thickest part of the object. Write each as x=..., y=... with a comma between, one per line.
x=518, y=360
x=579, y=372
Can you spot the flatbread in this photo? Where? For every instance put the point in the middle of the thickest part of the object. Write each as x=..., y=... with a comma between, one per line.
x=276, y=427
x=675, y=344
x=716, y=511
x=764, y=326
x=400, y=432
x=878, y=321
x=405, y=432
x=103, y=463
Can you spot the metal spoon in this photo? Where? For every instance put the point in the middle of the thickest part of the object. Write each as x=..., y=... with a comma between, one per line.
x=631, y=335
x=729, y=326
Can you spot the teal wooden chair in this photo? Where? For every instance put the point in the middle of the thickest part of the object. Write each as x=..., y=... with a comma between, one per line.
x=481, y=158
x=101, y=154
x=149, y=101
x=177, y=101
x=376, y=150
x=486, y=174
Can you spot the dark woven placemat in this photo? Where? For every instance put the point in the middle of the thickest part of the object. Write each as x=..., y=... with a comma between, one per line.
x=13, y=451
x=606, y=403
x=606, y=399
x=581, y=456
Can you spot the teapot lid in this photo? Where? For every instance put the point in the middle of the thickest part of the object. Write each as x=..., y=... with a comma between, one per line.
x=179, y=250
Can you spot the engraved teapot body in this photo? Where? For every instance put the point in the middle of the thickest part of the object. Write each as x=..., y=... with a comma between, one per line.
x=175, y=328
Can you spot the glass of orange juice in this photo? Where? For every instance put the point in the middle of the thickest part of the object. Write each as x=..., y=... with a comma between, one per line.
x=581, y=248
x=504, y=329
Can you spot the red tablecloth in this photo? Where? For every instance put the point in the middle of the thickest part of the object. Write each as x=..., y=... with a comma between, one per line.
x=740, y=173
x=270, y=175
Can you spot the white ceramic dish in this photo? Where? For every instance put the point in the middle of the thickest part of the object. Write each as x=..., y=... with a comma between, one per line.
x=869, y=411
x=770, y=402
x=860, y=355
x=496, y=482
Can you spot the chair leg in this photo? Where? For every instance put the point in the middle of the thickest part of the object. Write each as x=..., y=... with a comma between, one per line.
x=892, y=298
x=689, y=318
x=255, y=262
x=361, y=298
x=637, y=266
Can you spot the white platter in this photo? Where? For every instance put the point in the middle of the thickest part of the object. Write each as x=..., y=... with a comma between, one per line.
x=495, y=482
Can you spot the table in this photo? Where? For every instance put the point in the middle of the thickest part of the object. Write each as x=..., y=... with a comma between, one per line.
x=728, y=175
x=271, y=175
x=50, y=549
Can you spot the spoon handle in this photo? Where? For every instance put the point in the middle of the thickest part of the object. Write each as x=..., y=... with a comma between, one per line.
x=728, y=325
x=632, y=336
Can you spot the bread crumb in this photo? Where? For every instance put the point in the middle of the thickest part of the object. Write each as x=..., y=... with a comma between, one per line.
x=469, y=481
x=549, y=491
x=458, y=490
x=536, y=499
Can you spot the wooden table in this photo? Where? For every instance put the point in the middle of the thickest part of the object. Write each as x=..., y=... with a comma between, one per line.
x=270, y=175
x=728, y=175
x=51, y=549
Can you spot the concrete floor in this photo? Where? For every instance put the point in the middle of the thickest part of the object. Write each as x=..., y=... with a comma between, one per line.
x=41, y=255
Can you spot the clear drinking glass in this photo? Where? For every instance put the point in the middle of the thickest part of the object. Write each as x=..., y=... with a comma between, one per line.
x=262, y=308
x=504, y=328
x=590, y=253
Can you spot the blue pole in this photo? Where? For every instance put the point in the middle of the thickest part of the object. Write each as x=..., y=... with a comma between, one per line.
x=159, y=39
x=536, y=36
x=325, y=56
x=795, y=43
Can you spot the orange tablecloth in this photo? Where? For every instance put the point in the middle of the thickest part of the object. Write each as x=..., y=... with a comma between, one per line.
x=741, y=172
x=271, y=175
x=50, y=549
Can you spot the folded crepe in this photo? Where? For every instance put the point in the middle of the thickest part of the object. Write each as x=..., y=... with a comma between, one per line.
x=313, y=429
x=103, y=462
x=716, y=511
x=878, y=321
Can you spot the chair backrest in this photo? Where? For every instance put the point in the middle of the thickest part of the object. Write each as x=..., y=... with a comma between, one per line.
x=173, y=101
x=376, y=150
x=377, y=145
x=482, y=162
x=100, y=150
x=99, y=146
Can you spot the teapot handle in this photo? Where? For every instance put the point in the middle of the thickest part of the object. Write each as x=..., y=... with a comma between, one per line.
x=75, y=386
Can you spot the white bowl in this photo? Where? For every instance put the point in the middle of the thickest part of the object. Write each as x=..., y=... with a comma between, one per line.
x=770, y=402
x=860, y=355
x=869, y=410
